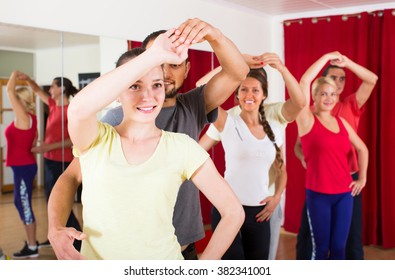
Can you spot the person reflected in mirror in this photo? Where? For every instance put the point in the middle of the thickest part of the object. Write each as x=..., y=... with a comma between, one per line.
x=21, y=136
x=56, y=147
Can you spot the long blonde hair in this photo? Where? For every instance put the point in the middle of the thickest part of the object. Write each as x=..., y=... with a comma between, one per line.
x=26, y=96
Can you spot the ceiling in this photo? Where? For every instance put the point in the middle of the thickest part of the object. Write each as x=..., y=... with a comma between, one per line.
x=282, y=7
x=27, y=38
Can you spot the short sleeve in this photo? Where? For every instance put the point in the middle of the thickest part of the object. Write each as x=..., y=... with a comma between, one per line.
x=213, y=133
x=195, y=157
x=105, y=132
x=273, y=111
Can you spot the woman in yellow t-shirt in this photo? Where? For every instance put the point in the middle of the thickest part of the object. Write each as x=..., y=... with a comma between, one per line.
x=132, y=172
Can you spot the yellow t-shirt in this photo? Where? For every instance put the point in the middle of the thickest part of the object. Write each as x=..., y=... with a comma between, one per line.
x=128, y=209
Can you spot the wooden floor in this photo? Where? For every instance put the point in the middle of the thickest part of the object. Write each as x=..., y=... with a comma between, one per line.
x=12, y=234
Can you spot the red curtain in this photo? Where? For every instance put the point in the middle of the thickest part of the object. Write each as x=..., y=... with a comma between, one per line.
x=202, y=62
x=367, y=39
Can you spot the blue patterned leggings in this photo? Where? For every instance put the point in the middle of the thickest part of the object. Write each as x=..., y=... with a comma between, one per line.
x=23, y=187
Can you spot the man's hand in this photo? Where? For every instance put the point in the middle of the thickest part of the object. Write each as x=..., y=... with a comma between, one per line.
x=195, y=31
x=62, y=240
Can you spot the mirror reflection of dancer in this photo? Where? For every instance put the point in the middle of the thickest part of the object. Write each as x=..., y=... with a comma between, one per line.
x=21, y=136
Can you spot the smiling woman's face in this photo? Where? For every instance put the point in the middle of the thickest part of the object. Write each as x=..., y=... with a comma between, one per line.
x=144, y=99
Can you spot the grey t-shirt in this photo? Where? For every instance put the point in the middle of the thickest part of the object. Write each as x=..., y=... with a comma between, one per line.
x=187, y=116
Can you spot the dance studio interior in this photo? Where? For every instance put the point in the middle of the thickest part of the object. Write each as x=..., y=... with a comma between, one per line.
x=82, y=40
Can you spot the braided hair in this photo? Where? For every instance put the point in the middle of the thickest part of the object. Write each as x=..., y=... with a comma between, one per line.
x=269, y=132
x=261, y=76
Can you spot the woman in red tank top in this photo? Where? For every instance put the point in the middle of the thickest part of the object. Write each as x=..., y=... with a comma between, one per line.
x=21, y=136
x=326, y=141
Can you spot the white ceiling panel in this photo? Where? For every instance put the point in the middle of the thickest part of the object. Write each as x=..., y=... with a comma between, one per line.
x=34, y=38
x=282, y=7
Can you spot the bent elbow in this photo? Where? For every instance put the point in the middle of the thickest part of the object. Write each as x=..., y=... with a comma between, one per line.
x=76, y=112
x=242, y=73
x=239, y=215
x=374, y=79
x=72, y=111
x=301, y=103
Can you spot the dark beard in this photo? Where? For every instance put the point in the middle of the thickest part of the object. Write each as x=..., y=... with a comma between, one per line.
x=172, y=93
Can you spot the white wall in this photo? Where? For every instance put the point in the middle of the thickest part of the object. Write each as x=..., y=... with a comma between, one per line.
x=82, y=59
x=135, y=19
x=110, y=51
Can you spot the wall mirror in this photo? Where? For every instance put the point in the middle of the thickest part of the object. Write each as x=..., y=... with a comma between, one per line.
x=42, y=54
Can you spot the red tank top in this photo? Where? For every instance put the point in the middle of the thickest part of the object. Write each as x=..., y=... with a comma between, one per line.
x=19, y=144
x=326, y=159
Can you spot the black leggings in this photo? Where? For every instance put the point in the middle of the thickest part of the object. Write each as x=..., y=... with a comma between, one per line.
x=253, y=240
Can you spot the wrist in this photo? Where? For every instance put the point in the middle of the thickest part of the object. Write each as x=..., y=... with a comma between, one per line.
x=277, y=197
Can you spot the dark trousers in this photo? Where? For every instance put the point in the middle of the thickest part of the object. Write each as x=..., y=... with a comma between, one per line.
x=52, y=171
x=190, y=252
x=253, y=240
x=23, y=187
x=354, y=245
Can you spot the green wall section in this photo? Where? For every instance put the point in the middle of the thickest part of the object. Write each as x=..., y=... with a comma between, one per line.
x=12, y=60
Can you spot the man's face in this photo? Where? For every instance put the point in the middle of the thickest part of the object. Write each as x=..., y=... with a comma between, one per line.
x=339, y=77
x=175, y=75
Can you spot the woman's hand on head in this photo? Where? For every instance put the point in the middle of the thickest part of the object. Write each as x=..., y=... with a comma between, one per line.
x=173, y=51
x=340, y=61
x=195, y=30
x=254, y=62
x=21, y=76
x=273, y=60
x=335, y=58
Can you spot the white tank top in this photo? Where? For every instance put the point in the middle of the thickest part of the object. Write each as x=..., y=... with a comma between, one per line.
x=248, y=160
